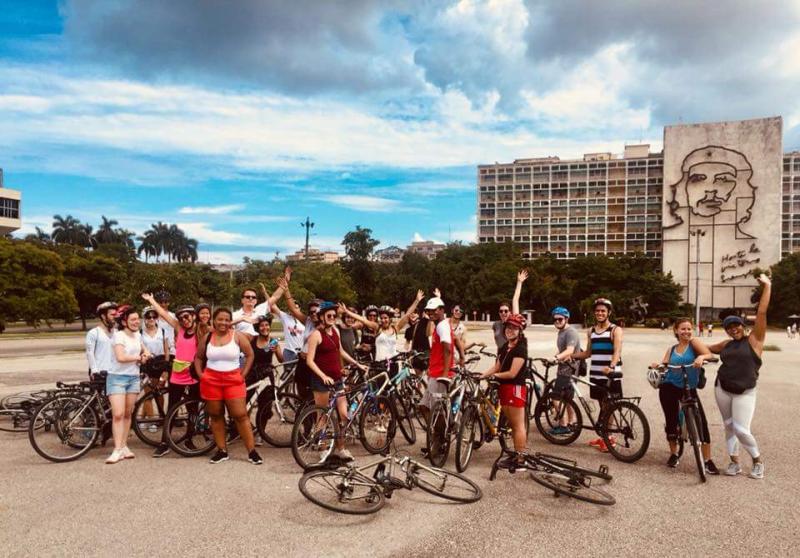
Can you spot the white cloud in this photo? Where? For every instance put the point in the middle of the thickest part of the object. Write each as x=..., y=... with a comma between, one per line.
x=418, y=238
x=365, y=203
x=211, y=210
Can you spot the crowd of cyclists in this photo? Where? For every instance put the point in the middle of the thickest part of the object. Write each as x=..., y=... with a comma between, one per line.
x=214, y=354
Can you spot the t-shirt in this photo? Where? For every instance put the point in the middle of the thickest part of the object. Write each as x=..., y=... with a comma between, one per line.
x=568, y=337
x=132, y=345
x=349, y=340
x=442, y=334
x=506, y=356
x=292, y=331
x=99, y=352
x=155, y=344
x=459, y=330
x=169, y=331
x=418, y=335
x=245, y=326
x=499, y=330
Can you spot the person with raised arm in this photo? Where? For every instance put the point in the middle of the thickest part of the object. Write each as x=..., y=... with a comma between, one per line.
x=735, y=386
x=250, y=312
x=506, y=309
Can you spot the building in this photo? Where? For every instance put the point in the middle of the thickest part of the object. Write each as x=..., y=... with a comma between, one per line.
x=707, y=205
x=390, y=254
x=10, y=201
x=427, y=248
x=314, y=255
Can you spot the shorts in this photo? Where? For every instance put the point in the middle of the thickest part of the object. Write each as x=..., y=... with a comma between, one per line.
x=513, y=395
x=222, y=386
x=435, y=388
x=317, y=385
x=118, y=384
x=599, y=394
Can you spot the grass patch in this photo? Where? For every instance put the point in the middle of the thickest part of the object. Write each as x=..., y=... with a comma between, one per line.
x=771, y=348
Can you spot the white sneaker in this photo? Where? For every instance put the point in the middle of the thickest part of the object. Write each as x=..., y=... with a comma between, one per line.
x=126, y=453
x=733, y=469
x=380, y=428
x=344, y=454
x=115, y=457
x=757, y=472
x=152, y=428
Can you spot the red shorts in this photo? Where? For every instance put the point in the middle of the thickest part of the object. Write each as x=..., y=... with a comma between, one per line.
x=221, y=386
x=513, y=395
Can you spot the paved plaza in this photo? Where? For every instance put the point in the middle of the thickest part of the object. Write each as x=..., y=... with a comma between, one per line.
x=176, y=506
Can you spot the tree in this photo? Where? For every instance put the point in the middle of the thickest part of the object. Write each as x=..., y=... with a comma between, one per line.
x=358, y=247
x=69, y=230
x=105, y=232
x=148, y=245
x=785, y=297
x=32, y=284
x=39, y=236
x=94, y=277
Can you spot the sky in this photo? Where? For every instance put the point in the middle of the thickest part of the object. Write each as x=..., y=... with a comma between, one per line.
x=239, y=120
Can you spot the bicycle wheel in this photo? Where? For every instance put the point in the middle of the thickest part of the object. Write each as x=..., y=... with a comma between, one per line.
x=405, y=419
x=189, y=428
x=572, y=485
x=314, y=435
x=692, y=425
x=342, y=491
x=438, y=440
x=377, y=424
x=148, y=417
x=445, y=484
x=64, y=428
x=468, y=430
x=276, y=421
x=413, y=395
x=14, y=420
x=549, y=414
x=625, y=430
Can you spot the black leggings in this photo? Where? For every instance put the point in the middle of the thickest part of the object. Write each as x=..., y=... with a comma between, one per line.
x=176, y=393
x=670, y=396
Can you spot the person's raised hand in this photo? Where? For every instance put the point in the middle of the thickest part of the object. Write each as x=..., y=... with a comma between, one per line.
x=522, y=276
x=437, y=293
x=420, y=295
x=148, y=297
x=764, y=280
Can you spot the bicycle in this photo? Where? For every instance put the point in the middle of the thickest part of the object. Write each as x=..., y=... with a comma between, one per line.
x=401, y=392
x=689, y=414
x=352, y=490
x=562, y=476
x=620, y=422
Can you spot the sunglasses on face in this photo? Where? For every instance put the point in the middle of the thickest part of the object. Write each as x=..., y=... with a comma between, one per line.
x=558, y=320
x=150, y=317
x=504, y=311
x=185, y=316
x=250, y=296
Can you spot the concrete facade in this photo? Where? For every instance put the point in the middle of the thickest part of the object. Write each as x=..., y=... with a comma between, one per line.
x=10, y=208
x=722, y=207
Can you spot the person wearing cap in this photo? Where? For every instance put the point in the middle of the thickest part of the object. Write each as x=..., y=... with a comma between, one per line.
x=246, y=316
x=99, y=351
x=506, y=309
x=735, y=386
x=182, y=381
x=507, y=370
x=441, y=361
x=568, y=342
x=604, y=348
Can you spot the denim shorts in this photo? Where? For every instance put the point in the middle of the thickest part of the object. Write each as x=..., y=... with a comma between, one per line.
x=318, y=385
x=122, y=383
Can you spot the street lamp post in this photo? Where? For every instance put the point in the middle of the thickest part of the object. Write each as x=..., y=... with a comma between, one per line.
x=308, y=226
x=697, y=233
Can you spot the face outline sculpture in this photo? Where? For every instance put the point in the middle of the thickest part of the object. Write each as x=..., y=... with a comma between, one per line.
x=713, y=179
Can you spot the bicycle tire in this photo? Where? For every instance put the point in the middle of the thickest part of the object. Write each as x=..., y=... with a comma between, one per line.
x=314, y=433
x=692, y=424
x=377, y=424
x=437, y=439
x=415, y=398
x=557, y=462
x=628, y=415
x=434, y=480
x=465, y=439
x=405, y=419
x=681, y=433
x=547, y=415
x=275, y=427
x=189, y=432
x=374, y=499
x=14, y=420
x=571, y=485
x=51, y=428
x=141, y=425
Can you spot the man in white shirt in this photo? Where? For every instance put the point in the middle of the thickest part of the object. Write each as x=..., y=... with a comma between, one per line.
x=247, y=315
x=99, y=348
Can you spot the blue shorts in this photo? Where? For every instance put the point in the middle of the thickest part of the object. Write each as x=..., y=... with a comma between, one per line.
x=117, y=384
x=318, y=385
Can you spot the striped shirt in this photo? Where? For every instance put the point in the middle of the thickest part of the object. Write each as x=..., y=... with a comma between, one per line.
x=602, y=351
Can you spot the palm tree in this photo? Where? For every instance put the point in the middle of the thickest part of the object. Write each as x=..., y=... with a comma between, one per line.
x=105, y=232
x=86, y=238
x=125, y=237
x=39, y=236
x=66, y=230
x=147, y=246
x=185, y=249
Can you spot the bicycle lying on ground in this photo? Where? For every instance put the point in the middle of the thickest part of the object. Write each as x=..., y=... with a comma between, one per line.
x=363, y=490
x=620, y=422
x=562, y=476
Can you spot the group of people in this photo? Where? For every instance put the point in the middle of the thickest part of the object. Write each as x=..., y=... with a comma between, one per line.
x=198, y=353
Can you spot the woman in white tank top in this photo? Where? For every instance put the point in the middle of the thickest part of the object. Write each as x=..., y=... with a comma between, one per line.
x=222, y=383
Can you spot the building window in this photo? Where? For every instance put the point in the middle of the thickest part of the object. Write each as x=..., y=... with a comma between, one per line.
x=9, y=209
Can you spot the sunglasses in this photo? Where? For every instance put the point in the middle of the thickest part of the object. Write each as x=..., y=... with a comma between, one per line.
x=505, y=311
x=150, y=317
x=459, y=310
x=185, y=316
x=558, y=320
x=250, y=296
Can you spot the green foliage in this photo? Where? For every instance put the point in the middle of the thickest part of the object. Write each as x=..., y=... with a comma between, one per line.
x=187, y=284
x=358, y=247
x=94, y=278
x=32, y=284
x=785, y=297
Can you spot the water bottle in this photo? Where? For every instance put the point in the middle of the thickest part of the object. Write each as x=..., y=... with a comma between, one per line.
x=493, y=418
x=456, y=406
x=352, y=409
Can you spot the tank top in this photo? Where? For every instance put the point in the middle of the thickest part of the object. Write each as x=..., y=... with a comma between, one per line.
x=349, y=340
x=368, y=338
x=386, y=344
x=436, y=362
x=263, y=355
x=602, y=353
x=185, y=351
x=327, y=357
x=224, y=358
x=675, y=377
x=740, y=365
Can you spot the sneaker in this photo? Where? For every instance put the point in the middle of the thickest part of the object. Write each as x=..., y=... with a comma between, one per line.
x=733, y=469
x=127, y=454
x=559, y=431
x=711, y=468
x=152, y=428
x=757, y=472
x=343, y=454
x=115, y=457
x=597, y=442
x=219, y=457
x=673, y=460
x=161, y=450
x=254, y=458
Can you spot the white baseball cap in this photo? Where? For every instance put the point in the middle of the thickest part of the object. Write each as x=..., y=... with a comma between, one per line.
x=434, y=303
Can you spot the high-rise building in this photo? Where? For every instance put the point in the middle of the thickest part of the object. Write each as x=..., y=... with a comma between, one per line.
x=10, y=201
x=790, y=206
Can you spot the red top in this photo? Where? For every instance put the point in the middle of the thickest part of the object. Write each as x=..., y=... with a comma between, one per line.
x=328, y=358
x=436, y=362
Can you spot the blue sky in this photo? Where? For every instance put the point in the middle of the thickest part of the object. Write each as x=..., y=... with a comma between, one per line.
x=239, y=123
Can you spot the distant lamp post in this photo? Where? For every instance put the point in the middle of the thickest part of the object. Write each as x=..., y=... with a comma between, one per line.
x=697, y=233
x=308, y=226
